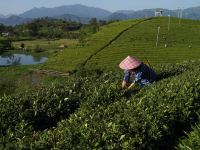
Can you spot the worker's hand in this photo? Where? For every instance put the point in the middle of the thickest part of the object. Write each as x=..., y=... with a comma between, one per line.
x=131, y=86
x=123, y=84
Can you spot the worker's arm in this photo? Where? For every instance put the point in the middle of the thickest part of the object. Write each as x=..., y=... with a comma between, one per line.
x=124, y=83
x=131, y=85
x=138, y=77
x=126, y=78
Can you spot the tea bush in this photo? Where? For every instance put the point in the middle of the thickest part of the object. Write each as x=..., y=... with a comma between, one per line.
x=140, y=40
x=43, y=108
x=152, y=119
x=93, y=113
x=192, y=141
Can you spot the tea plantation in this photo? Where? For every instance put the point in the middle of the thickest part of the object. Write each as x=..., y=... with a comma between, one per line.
x=91, y=112
x=181, y=42
x=133, y=37
x=72, y=58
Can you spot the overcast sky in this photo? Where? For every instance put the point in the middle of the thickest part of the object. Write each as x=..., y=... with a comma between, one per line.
x=19, y=6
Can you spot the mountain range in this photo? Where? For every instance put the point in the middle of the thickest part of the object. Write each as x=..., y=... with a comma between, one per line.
x=83, y=14
x=2, y=16
x=77, y=10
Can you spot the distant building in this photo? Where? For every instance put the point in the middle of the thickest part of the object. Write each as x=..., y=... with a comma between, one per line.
x=5, y=34
x=158, y=13
x=63, y=46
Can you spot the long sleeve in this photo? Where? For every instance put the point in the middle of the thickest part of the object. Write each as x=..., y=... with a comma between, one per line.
x=126, y=76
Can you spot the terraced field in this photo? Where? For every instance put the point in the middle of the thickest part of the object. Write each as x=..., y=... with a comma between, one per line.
x=113, y=42
x=180, y=43
x=72, y=58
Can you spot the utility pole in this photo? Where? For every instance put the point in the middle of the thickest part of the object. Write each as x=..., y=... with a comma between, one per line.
x=181, y=13
x=157, y=36
x=169, y=22
x=178, y=12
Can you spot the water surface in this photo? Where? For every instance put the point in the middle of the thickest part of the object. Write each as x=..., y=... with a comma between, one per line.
x=21, y=59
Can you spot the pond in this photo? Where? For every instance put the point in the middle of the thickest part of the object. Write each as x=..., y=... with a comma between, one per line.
x=21, y=59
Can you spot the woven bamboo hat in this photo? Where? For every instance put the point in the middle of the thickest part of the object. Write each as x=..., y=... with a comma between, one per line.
x=130, y=63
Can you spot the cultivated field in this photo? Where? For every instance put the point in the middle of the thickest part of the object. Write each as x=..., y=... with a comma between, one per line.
x=180, y=43
x=137, y=38
x=72, y=58
x=77, y=114
x=89, y=110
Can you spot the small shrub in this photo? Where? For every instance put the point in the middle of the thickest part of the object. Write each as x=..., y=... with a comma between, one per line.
x=38, y=49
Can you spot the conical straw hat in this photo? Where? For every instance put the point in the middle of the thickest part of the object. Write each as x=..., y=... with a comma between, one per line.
x=129, y=63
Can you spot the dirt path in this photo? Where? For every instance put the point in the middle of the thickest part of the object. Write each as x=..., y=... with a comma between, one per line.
x=111, y=41
x=51, y=73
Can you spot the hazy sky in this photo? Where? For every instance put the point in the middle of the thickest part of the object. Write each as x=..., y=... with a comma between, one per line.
x=19, y=6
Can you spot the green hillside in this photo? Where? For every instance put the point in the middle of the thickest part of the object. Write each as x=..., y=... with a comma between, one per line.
x=182, y=43
x=113, y=42
x=70, y=58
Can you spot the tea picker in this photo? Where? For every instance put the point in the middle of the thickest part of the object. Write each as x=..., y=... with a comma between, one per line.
x=141, y=73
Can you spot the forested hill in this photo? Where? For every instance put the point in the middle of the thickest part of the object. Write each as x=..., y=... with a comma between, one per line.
x=77, y=10
x=189, y=13
x=83, y=14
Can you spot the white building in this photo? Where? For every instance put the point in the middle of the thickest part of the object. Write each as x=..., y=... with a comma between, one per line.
x=158, y=13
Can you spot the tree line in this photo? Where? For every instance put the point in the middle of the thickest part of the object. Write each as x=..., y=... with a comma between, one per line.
x=48, y=28
x=51, y=28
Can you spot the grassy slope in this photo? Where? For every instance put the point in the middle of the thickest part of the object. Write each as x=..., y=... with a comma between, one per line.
x=70, y=58
x=140, y=41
